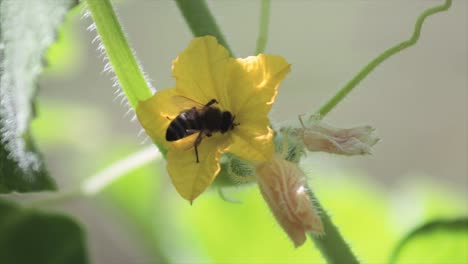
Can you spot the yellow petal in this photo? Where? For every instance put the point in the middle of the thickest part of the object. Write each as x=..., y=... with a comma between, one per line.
x=200, y=71
x=156, y=113
x=189, y=177
x=254, y=83
x=253, y=142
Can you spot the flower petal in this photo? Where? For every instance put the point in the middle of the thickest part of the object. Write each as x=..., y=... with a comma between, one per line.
x=200, y=71
x=318, y=136
x=254, y=83
x=253, y=142
x=156, y=113
x=189, y=177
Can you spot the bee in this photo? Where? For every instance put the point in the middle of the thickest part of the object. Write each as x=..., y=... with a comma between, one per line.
x=203, y=119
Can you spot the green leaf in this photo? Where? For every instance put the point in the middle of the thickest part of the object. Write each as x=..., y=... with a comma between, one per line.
x=30, y=236
x=437, y=241
x=14, y=178
x=27, y=28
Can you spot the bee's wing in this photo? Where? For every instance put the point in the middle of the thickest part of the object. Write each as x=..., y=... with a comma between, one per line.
x=185, y=103
x=188, y=142
x=185, y=143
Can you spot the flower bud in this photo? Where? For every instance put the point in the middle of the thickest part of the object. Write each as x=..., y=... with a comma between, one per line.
x=321, y=137
x=283, y=186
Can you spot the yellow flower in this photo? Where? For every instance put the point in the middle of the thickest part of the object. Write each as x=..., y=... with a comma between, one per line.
x=245, y=87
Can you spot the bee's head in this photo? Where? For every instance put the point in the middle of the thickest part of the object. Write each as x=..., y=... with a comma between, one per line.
x=227, y=122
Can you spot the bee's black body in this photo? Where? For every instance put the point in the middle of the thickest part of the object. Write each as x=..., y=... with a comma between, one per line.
x=206, y=120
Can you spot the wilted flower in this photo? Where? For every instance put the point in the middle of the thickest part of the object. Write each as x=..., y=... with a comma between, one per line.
x=244, y=87
x=317, y=136
x=283, y=186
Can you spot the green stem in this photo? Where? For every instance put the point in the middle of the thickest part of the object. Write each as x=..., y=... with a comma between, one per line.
x=102, y=179
x=332, y=245
x=263, y=30
x=55, y=198
x=121, y=57
x=201, y=21
x=328, y=106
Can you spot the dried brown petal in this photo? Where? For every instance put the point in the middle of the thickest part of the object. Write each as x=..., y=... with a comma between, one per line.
x=283, y=186
x=321, y=137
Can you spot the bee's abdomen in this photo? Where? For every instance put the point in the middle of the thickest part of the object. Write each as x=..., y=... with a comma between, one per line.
x=183, y=125
x=175, y=131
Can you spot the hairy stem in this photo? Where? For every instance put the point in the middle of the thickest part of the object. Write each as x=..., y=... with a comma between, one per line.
x=332, y=245
x=343, y=92
x=121, y=57
x=263, y=30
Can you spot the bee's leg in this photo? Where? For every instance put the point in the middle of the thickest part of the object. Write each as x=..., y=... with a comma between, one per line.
x=212, y=101
x=196, y=144
x=232, y=120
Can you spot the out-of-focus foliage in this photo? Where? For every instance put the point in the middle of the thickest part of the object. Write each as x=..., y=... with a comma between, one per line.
x=436, y=241
x=65, y=53
x=29, y=236
x=27, y=28
x=147, y=218
x=213, y=230
x=70, y=119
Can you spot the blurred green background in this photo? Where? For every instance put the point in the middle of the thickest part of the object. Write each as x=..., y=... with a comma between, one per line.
x=417, y=100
